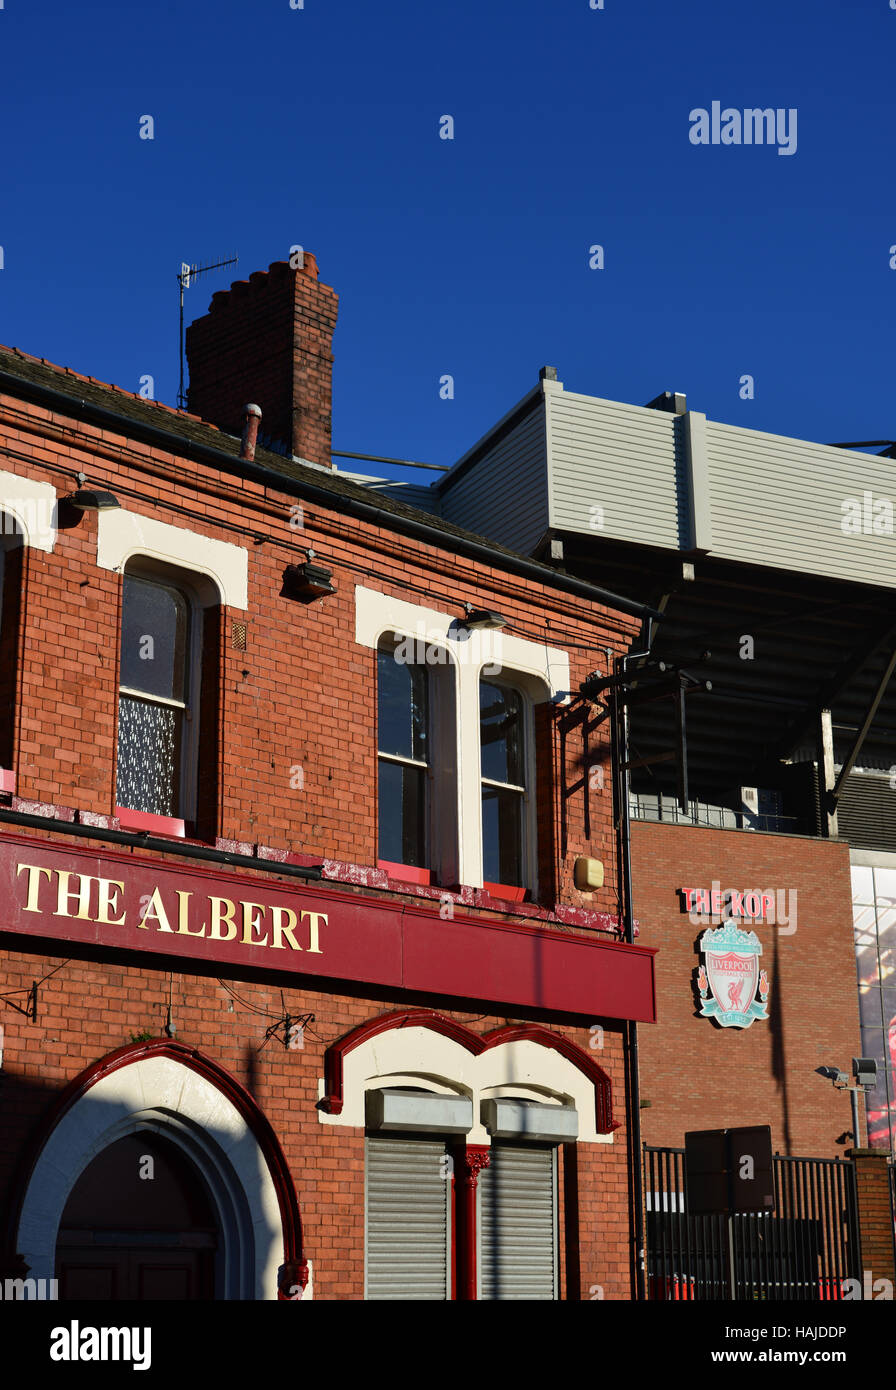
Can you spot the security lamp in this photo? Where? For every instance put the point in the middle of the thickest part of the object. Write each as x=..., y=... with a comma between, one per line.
x=92, y=500
x=861, y=1066
x=484, y=617
x=864, y=1069
x=307, y=581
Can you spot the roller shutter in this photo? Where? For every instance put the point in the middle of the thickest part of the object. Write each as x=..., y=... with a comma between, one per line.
x=518, y=1223
x=408, y=1219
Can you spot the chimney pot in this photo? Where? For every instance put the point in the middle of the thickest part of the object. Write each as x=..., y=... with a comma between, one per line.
x=251, y=421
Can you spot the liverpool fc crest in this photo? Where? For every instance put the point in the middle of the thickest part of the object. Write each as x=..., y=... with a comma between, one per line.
x=731, y=972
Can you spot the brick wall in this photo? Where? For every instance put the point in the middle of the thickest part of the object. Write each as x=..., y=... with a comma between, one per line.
x=303, y=693
x=89, y=1007
x=697, y=1075
x=875, y=1220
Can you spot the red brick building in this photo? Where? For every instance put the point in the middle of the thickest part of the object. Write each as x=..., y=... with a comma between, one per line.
x=294, y=781
x=693, y=1072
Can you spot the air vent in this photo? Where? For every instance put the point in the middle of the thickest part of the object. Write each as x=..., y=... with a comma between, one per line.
x=866, y=812
x=238, y=636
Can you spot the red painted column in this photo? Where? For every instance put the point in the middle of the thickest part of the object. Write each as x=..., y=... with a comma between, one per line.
x=476, y=1157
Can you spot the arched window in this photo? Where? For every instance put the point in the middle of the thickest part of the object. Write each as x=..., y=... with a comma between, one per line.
x=164, y=626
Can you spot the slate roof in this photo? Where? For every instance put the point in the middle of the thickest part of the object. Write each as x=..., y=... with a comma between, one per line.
x=190, y=429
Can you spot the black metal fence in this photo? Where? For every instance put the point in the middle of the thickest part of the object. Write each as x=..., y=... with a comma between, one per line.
x=804, y=1250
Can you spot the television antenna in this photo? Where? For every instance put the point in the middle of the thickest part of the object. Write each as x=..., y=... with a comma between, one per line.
x=186, y=275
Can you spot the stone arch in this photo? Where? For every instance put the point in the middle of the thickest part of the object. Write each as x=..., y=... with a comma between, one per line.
x=178, y=1092
x=420, y=1046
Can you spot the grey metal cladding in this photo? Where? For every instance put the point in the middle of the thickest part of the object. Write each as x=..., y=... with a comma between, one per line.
x=624, y=459
x=780, y=502
x=425, y=499
x=504, y=495
x=586, y=465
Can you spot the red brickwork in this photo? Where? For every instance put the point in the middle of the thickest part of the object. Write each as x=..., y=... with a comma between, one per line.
x=89, y=1008
x=268, y=340
x=301, y=695
x=875, y=1218
x=697, y=1075
x=604, y=1249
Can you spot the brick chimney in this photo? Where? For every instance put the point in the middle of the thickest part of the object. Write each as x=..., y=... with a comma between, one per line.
x=268, y=340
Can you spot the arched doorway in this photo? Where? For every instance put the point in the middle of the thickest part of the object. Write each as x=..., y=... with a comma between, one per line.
x=218, y=1153
x=139, y=1224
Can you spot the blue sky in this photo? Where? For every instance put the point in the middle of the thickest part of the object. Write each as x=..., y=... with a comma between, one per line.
x=319, y=126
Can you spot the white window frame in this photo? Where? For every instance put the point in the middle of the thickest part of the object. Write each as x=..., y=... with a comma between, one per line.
x=139, y=567
x=426, y=767
x=529, y=829
x=540, y=673
x=33, y=507
x=123, y=536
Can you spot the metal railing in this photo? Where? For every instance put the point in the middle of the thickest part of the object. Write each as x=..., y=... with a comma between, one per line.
x=804, y=1250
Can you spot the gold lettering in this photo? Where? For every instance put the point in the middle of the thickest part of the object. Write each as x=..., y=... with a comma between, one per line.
x=156, y=909
x=316, y=917
x=222, y=911
x=108, y=887
x=33, y=884
x=277, y=914
x=183, y=914
x=250, y=924
x=74, y=891
x=65, y=893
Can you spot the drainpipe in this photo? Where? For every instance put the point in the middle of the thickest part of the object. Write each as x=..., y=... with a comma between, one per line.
x=620, y=752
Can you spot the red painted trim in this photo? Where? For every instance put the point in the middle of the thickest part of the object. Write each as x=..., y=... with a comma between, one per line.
x=334, y=1057
x=405, y=873
x=476, y=1157
x=506, y=892
x=454, y=1235
x=603, y=1087
x=378, y=939
x=155, y=825
x=218, y=1077
x=7, y=780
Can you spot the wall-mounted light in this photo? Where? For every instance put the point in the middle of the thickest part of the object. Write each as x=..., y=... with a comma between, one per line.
x=483, y=617
x=588, y=874
x=307, y=581
x=93, y=500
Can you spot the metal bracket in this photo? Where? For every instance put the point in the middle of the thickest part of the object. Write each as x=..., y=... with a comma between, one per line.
x=29, y=1009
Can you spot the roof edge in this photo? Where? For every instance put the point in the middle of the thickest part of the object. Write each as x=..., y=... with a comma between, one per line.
x=421, y=526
